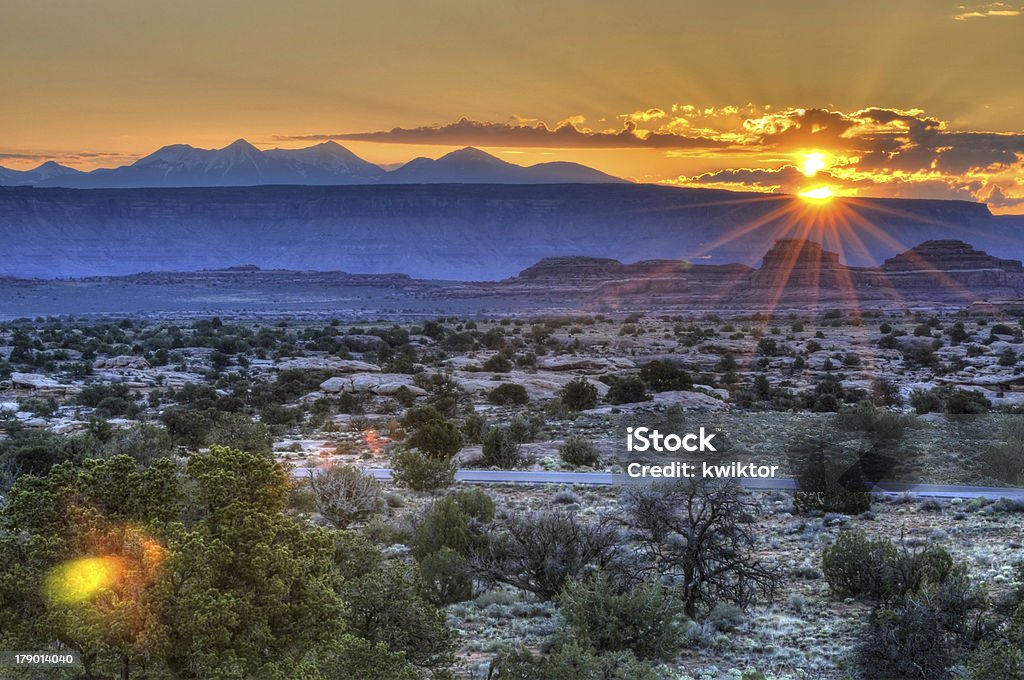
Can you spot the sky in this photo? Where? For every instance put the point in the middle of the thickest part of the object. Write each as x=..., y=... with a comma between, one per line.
x=912, y=98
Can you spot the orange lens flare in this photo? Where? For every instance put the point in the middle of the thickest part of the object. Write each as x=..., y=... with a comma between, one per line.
x=817, y=195
x=373, y=440
x=84, y=578
x=813, y=163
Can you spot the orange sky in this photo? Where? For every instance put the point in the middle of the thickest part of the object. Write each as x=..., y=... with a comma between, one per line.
x=912, y=98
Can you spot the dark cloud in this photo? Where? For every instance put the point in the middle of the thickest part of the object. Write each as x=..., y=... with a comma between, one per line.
x=467, y=132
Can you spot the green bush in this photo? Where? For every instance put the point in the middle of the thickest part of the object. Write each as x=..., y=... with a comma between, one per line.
x=858, y=566
x=445, y=577
x=473, y=428
x=523, y=429
x=440, y=439
x=571, y=660
x=500, y=449
x=626, y=390
x=444, y=526
x=498, y=364
x=663, y=376
x=579, y=394
x=645, y=620
x=877, y=569
x=579, y=451
x=418, y=472
x=924, y=634
x=950, y=401
x=417, y=416
x=343, y=495
x=508, y=394
x=476, y=503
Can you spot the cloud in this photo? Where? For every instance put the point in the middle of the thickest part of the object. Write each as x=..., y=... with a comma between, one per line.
x=789, y=179
x=70, y=158
x=883, y=150
x=568, y=133
x=992, y=9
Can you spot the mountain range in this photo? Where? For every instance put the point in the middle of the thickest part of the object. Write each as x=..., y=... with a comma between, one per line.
x=242, y=164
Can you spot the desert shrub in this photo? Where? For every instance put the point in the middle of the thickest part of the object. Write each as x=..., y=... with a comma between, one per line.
x=645, y=619
x=579, y=451
x=877, y=569
x=238, y=431
x=442, y=541
x=500, y=448
x=922, y=635
x=110, y=399
x=416, y=471
x=405, y=397
x=355, y=657
x=541, y=552
x=663, y=376
x=698, y=533
x=768, y=347
x=858, y=566
x=499, y=363
x=476, y=503
x=571, y=660
x=508, y=394
x=343, y=495
x=444, y=526
x=579, y=394
x=1003, y=461
x=524, y=429
x=420, y=415
x=967, y=402
x=445, y=577
x=725, y=617
x=950, y=401
x=145, y=443
x=440, y=439
x=473, y=428
x=999, y=659
x=626, y=390
x=386, y=606
x=824, y=486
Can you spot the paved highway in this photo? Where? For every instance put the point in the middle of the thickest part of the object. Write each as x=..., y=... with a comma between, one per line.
x=782, y=484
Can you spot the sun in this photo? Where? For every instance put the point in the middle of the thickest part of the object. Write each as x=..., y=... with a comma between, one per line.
x=819, y=195
x=812, y=163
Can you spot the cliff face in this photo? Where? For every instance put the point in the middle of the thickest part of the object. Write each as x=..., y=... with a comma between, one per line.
x=794, y=274
x=463, y=232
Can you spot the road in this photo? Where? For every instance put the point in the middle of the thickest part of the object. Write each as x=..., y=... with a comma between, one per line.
x=781, y=484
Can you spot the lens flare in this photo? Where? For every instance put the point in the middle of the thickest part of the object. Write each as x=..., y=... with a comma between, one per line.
x=813, y=163
x=373, y=440
x=83, y=579
x=822, y=194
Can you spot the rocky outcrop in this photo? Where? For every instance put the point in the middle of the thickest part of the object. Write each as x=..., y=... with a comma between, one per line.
x=948, y=256
x=40, y=383
x=794, y=274
x=377, y=383
x=125, y=361
x=329, y=364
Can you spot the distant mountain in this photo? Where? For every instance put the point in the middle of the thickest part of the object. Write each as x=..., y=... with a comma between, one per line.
x=473, y=166
x=238, y=164
x=328, y=164
x=46, y=172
